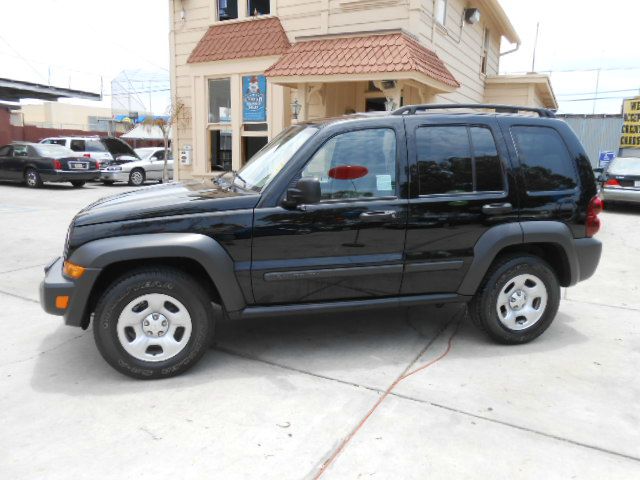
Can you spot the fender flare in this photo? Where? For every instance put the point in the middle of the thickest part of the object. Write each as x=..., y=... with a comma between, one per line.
x=499, y=237
x=215, y=260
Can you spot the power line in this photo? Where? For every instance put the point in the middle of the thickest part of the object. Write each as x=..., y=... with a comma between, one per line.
x=574, y=70
x=600, y=91
x=592, y=99
x=22, y=58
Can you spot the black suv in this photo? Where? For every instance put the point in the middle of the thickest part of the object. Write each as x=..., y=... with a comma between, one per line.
x=413, y=207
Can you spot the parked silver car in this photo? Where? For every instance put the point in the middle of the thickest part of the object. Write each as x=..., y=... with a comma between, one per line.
x=622, y=180
x=149, y=167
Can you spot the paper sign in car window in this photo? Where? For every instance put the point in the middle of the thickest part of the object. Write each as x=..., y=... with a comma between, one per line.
x=383, y=183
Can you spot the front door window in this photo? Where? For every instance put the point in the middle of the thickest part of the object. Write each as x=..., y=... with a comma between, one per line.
x=358, y=164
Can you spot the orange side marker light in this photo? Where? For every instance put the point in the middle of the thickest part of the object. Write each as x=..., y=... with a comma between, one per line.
x=62, y=302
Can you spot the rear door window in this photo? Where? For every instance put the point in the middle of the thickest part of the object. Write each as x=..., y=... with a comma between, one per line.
x=544, y=159
x=5, y=151
x=94, y=146
x=457, y=159
x=77, y=145
x=20, y=151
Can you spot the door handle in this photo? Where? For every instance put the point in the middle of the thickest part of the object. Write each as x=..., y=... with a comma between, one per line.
x=378, y=216
x=497, y=208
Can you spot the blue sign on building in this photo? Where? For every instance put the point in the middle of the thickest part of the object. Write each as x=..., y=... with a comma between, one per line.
x=254, y=98
x=605, y=159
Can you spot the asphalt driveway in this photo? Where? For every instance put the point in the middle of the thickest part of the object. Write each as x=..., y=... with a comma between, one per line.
x=303, y=398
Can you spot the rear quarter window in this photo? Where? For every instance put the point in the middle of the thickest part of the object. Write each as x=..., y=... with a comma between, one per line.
x=544, y=159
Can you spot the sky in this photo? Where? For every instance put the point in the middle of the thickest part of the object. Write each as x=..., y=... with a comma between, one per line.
x=83, y=45
x=576, y=38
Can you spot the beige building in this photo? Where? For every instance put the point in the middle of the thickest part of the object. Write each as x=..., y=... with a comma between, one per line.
x=243, y=70
x=67, y=116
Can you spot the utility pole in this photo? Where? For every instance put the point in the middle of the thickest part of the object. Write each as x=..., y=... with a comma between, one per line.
x=535, y=46
x=595, y=98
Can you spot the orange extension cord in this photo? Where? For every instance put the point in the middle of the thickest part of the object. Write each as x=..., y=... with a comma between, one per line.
x=344, y=443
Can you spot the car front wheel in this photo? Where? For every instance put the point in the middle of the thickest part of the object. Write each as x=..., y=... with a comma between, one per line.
x=153, y=323
x=518, y=299
x=136, y=177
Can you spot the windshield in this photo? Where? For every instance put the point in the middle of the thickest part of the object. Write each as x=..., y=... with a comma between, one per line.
x=264, y=165
x=625, y=166
x=54, y=151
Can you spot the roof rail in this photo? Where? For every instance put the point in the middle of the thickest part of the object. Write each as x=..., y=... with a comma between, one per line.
x=413, y=109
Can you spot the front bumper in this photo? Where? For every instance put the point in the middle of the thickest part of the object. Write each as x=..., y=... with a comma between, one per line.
x=70, y=176
x=78, y=291
x=106, y=176
x=621, y=194
x=588, y=253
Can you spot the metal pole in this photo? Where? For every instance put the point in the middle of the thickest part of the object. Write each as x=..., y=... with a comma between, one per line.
x=535, y=46
x=595, y=98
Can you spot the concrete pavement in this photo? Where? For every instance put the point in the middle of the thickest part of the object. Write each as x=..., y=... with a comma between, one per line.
x=276, y=398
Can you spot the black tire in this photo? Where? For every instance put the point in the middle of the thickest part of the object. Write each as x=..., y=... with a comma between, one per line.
x=137, y=177
x=32, y=178
x=107, y=182
x=483, y=309
x=78, y=183
x=165, y=281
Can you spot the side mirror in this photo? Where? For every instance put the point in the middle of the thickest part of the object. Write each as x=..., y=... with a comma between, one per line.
x=306, y=191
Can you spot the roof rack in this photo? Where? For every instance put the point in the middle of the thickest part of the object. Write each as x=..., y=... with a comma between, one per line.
x=413, y=109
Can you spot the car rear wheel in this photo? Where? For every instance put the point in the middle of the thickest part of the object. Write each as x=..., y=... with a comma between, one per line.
x=136, y=177
x=78, y=183
x=153, y=323
x=518, y=299
x=32, y=178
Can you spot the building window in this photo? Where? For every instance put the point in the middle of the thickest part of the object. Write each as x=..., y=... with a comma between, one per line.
x=485, y=50
x=441, y=11
x=220, y=152
x=227, y=9
x=220, y=100
x=259, y=7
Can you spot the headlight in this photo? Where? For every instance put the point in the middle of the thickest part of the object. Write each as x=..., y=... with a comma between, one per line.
x=114, y=169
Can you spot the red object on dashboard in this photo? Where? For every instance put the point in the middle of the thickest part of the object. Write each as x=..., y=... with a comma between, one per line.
x=348, y=172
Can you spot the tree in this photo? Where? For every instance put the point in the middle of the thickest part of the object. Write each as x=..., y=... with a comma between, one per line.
x=174, y=117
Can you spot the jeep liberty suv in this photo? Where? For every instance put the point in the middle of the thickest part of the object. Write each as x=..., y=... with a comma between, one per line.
x=413, y=207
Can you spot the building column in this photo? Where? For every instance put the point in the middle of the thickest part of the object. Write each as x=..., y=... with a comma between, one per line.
x=236, y=122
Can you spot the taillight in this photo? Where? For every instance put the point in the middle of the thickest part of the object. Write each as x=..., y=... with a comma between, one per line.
x=88, y=155
x=97, y=165
x=592, y=223
x=57, y=165
x=612, y=183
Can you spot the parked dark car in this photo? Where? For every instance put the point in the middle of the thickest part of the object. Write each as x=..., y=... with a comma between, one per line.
x=621, y=181
x=360, y=212
x=35, y=163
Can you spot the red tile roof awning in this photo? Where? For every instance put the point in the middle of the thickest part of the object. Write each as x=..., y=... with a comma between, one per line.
x=257, y=37
x=383, y=53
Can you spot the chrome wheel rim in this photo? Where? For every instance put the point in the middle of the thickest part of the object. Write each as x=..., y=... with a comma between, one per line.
x=154, y=327
x=32, y=178
x=136, y=178
x=522, y=302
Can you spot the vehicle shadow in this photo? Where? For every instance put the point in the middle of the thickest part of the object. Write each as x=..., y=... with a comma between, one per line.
x=53, y=186
x=369, y=348
x=626, y=208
